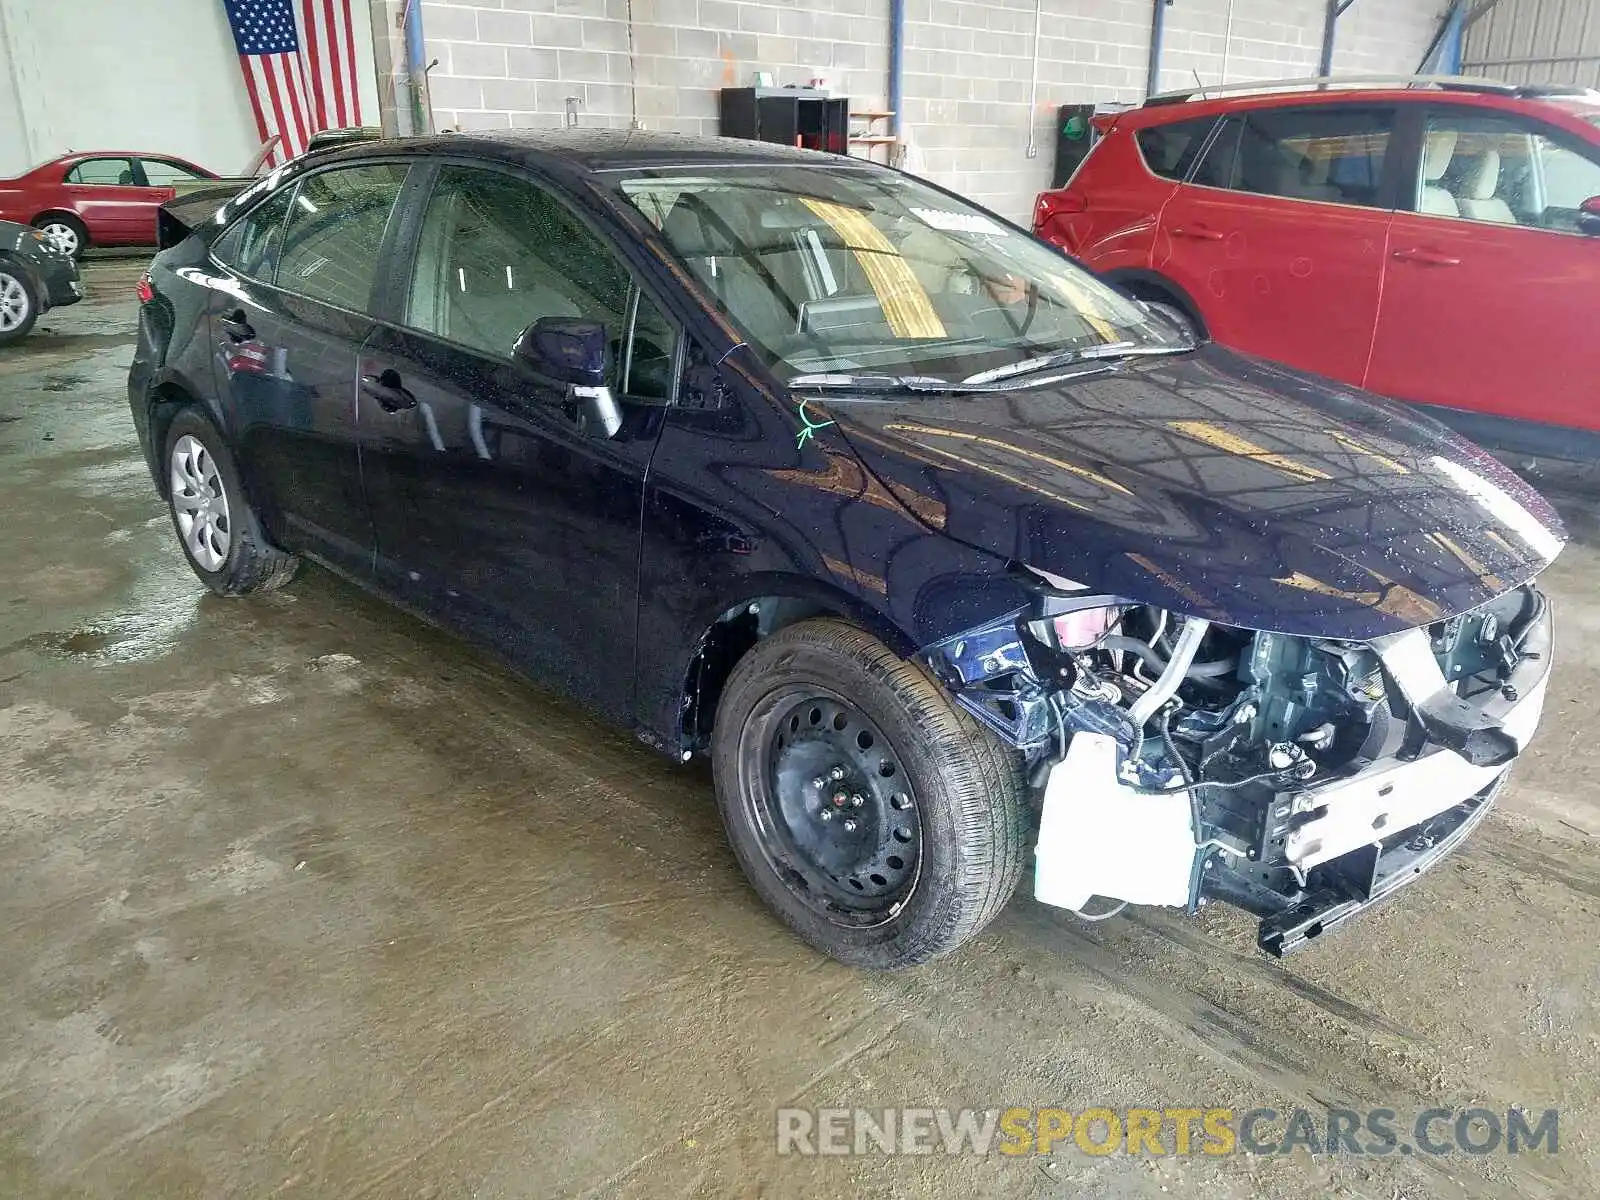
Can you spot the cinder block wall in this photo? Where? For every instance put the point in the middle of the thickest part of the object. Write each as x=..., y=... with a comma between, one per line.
x=969, y=64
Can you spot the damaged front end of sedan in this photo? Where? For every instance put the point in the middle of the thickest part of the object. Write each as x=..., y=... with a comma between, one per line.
x=1180, y=760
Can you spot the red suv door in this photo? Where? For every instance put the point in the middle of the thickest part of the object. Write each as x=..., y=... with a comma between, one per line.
x=1490, y=289
x=1279, y=236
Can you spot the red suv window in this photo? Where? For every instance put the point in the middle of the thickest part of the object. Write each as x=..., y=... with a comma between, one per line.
x=1170, y=150
x=1334, y=154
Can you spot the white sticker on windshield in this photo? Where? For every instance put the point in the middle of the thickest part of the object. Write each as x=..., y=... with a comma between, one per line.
x=959, y=222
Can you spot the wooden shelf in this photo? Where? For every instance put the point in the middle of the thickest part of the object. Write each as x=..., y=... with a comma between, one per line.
x=876, y=139
x=873, y=114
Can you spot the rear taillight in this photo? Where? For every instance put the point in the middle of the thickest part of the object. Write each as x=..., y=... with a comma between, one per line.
x=145, y=291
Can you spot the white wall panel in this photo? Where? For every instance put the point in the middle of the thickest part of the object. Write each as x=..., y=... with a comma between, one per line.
x=156, y=75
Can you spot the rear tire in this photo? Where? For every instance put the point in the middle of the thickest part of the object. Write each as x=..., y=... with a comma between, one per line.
x=925, y=832
x=218, y=530
x=19, y=305
x=65, y=232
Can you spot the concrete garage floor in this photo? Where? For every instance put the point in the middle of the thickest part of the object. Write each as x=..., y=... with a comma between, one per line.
x=301, y=897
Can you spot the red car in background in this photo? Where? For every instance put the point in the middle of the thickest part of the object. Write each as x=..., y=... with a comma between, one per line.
x=97, y=198
x=1436, y=240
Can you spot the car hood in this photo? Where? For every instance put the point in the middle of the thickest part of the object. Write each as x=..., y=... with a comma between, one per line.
x=1217, y=485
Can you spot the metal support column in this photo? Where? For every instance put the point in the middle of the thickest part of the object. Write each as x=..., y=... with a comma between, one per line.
x=1330, y=26
x=1158, y=36
x=399, y=57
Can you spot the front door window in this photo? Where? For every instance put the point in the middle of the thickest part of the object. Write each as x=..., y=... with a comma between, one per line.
x=497, y=253
x=1504, y=171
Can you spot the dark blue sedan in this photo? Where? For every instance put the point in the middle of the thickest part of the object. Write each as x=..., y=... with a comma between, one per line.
x=944, y=552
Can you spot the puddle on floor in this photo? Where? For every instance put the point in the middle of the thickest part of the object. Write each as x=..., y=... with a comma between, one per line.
x=63, y=383
x=148, y=631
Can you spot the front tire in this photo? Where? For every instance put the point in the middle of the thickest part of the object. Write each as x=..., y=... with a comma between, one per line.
x=876, y=819
x=218, y=530
x=19, y=305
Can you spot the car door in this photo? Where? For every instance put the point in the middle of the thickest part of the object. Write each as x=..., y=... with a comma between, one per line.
x=107, y=195
x=494, y=508
x=1490, y=289
x=1279, y=233
x=290, y=309
x=158, y=175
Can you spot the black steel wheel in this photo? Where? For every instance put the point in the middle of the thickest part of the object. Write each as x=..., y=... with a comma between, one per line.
x=873, y=816
x=833, y=804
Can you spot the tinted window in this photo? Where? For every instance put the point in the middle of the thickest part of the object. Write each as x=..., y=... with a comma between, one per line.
x=1330, y=154
x=111, y=171
x=649, y=363
x=497, y=253
x=1170, y=150
x=158, y=172
x=1217, y=169
x=1504, y=171
x=335, y=226
x=251, y=245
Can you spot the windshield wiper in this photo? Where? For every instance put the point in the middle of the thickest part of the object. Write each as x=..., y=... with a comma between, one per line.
x=1062, y=358
x=875, y=383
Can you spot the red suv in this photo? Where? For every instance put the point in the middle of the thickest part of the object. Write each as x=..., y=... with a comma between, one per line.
x=1435, y=242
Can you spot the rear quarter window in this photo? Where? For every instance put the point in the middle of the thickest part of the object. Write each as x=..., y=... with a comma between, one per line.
x=1170, y=150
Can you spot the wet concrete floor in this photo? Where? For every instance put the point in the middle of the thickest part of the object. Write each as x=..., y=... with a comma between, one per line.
x=299, y=897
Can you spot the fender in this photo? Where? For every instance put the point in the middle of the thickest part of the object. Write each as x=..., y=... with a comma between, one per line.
x=1131, y=278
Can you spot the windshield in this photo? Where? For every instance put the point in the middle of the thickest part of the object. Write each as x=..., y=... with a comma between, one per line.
x=839, y=271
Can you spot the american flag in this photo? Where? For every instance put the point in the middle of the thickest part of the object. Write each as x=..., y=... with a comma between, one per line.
x=299, y=64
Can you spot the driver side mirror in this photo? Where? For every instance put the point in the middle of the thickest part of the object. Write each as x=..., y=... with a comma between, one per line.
x=1589, y=216
x=572, y=351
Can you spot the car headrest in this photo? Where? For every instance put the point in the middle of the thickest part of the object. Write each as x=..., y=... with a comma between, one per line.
x=1484, y=177
x=1437, y=151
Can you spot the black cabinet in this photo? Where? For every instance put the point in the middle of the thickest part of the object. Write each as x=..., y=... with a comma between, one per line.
x=790, y=116
x=1075, y=136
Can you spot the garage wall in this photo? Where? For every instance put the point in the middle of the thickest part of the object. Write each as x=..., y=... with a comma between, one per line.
x=158, y=75
x=968, y=64
x=1536, y=41
x=514, y=67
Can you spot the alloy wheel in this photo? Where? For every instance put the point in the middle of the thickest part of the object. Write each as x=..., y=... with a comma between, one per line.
x=200, y=503
x=14, y=303
x=61, y=235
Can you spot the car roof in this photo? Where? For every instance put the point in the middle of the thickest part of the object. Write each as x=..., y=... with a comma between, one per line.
x=599, y=149
x=1180, y=106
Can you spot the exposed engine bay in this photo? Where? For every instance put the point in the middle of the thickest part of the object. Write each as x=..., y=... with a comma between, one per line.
x=1180, y=760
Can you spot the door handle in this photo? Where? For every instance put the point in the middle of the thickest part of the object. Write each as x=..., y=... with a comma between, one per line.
x=1426, y=258
x=238, y=326
x=1199, y=233
x=388, y=391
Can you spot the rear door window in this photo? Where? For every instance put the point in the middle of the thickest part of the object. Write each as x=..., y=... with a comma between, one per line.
x=106, y=172
x=251, y=244
x=158, y=172
x=1170, y=150
x=1334, y=154
x=334, y=231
